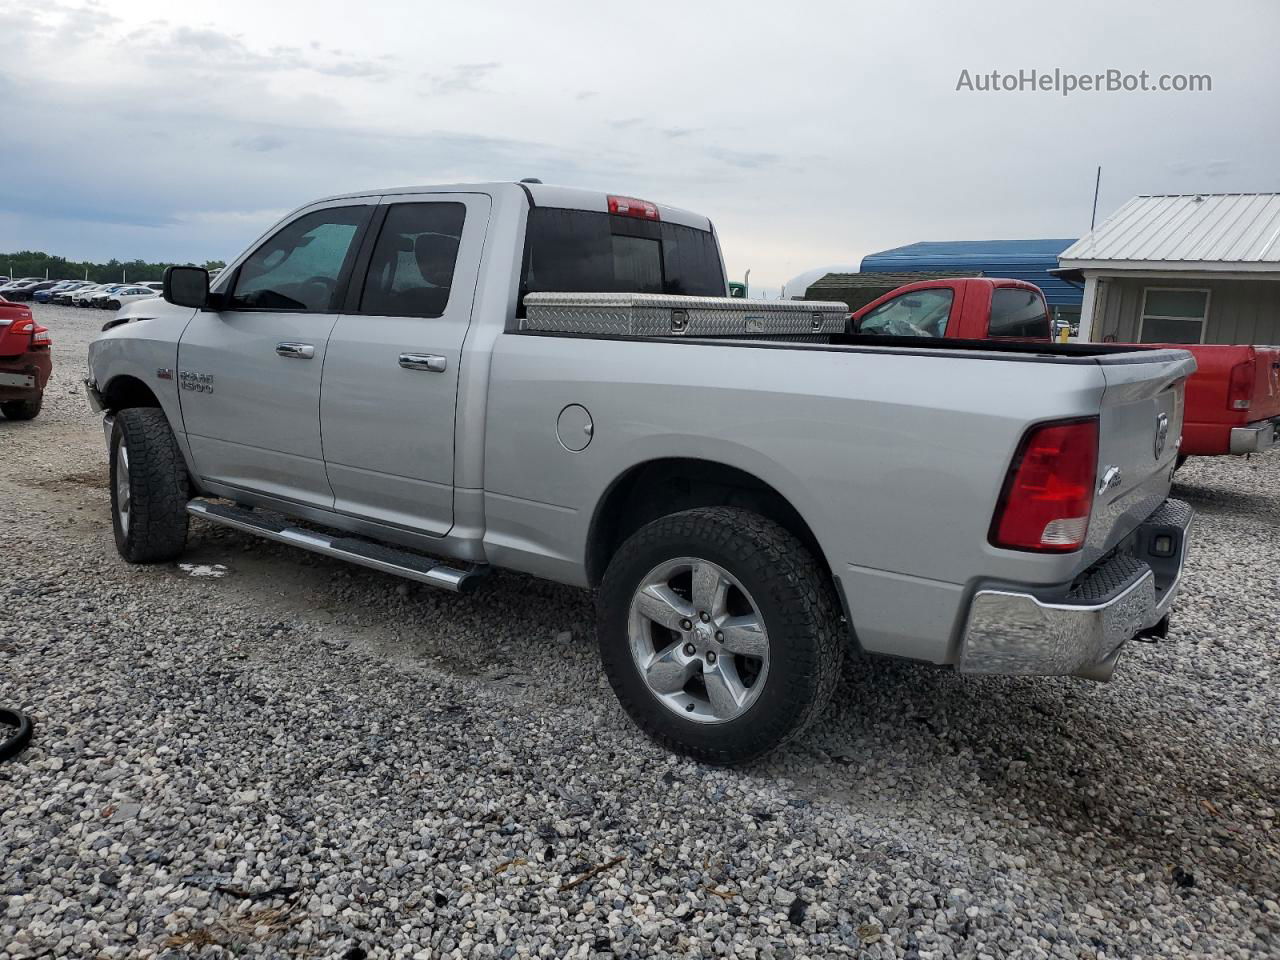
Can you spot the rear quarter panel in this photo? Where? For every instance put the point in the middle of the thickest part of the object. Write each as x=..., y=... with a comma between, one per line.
x=895, y=461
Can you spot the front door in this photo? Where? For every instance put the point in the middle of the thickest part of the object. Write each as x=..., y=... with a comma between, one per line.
x=250, y=371
x=391, y=374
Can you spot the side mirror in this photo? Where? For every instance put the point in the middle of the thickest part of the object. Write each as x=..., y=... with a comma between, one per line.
x=186, y=286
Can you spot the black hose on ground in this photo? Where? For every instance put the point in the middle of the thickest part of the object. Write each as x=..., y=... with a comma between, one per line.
x=13, y=746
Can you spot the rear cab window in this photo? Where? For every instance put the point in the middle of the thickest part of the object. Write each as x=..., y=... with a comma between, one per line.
x=583, y=251
x=1018, y=312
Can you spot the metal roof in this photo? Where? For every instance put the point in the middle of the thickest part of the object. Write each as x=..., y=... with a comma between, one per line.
x=1208, y=231
x=1029, y=260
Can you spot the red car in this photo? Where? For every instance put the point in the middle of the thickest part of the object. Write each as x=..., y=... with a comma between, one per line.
x=1233, y=398
x=26, y=361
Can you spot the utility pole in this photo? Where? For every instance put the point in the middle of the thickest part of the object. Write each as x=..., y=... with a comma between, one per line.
x=1096, y=184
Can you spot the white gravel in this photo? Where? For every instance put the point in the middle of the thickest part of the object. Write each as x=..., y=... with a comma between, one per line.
x=302, y=759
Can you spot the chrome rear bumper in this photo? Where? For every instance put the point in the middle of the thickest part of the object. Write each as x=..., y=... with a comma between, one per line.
x=1080, y=633
x=1255, y=437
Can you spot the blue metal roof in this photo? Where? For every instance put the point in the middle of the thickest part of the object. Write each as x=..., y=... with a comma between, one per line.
x=1028, y=260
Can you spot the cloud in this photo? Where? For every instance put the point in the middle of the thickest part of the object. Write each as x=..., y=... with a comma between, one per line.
x=262, y=142
x=744, y=159
x=676, y=133
x=463, y=78
x=206, y=48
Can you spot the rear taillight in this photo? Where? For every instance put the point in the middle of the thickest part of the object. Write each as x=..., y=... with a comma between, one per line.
x=1048, y=494
x=631, y=207
x=24, y=326
x=40, y=338
x=1240, y=387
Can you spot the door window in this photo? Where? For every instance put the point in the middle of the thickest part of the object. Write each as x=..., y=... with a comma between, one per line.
x=411, y=270
x=301, y=267
x=1018, y=312
x=920, y=313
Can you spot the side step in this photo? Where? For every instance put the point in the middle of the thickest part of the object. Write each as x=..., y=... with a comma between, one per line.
x=402, y=563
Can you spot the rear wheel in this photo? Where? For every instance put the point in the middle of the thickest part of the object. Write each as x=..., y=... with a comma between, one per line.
x=149, y=487
x=719, y=633
x=22, y=409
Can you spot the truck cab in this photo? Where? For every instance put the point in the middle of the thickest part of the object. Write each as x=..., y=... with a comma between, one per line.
x=961, y=308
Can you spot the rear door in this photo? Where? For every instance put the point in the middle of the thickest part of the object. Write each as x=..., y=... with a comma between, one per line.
x=391, y=372
x=250, y=372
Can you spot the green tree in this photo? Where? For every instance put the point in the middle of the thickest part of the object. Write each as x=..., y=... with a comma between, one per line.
x=36, y=263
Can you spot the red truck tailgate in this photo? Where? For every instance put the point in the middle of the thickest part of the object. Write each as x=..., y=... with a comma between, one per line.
x=1234, y=385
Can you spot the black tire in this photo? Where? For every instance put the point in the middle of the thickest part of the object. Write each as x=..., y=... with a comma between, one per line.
x=796, y=601
x=155, y=529
x=22, y=409
x=1177, y=464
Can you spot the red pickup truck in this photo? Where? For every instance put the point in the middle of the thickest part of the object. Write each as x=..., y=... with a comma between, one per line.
x=25, y=361
x=1233, y=398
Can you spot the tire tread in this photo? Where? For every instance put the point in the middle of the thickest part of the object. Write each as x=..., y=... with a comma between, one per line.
x=159, y=488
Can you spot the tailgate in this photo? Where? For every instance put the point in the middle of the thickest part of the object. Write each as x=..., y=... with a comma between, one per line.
x=1140, y=425
x=1265, y=401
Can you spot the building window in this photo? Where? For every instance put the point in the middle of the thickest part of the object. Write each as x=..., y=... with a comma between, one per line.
x=1173, y=315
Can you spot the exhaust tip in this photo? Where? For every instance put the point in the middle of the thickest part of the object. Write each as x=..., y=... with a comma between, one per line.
x=1103, y=670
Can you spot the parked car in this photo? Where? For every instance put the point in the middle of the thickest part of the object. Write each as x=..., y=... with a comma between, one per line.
x=156, y=285
x=750, y=489
x=126, y=295
x=98, y=297
x=47, y=295
x=27, y=291
x=12, y=291
x=26, y=361
x=80, y=298
x=65, y=295
x=1233, y=398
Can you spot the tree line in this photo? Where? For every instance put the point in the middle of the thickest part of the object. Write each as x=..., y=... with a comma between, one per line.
x=35, y=263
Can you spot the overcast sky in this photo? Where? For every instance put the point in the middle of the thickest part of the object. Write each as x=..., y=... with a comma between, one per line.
x=812, y=133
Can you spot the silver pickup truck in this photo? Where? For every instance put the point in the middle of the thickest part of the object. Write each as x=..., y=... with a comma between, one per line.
x=436, y=381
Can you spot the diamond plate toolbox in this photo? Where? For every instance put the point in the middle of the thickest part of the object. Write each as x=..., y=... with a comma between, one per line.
x=664, y=315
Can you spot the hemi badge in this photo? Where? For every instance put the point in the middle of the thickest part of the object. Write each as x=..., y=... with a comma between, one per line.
x=164, y=373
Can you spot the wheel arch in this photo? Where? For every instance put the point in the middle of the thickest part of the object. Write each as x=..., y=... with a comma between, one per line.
x=125, y=390
x=658, y=487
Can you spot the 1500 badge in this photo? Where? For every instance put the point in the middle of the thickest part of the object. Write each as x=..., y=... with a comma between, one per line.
x=199, y=382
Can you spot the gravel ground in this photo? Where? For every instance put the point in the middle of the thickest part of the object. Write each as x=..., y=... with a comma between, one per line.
x=303, y=759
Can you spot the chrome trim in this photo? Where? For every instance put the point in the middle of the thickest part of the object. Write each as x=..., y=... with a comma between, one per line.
x=424, y=361
x=296, y=351
x=1009, y=631
x=1255, y=437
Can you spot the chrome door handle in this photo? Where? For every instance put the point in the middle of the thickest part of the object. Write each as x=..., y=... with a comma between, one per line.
x=423, y=361
x=299, y=351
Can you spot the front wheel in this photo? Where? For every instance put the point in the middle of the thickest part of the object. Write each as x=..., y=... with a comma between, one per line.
x=149, y=487
x=719, y=632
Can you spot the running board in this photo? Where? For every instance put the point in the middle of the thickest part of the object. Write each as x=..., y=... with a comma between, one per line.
x=402, y=563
